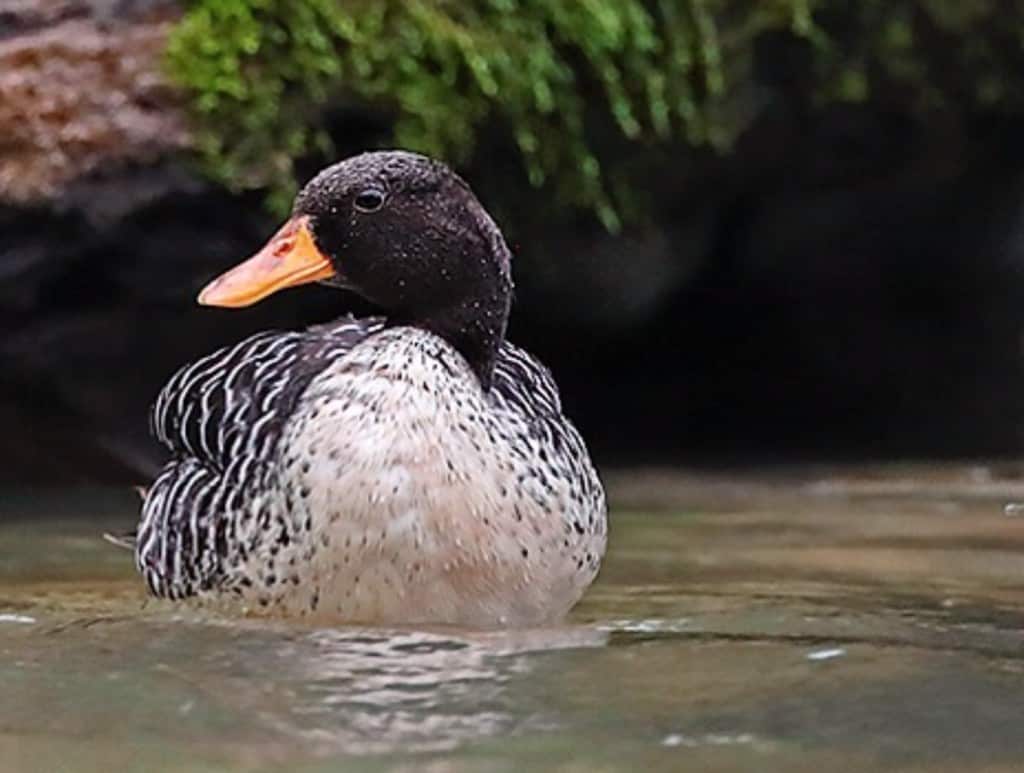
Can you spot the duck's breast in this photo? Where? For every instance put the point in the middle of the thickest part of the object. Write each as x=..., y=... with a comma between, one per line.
x=423, y=500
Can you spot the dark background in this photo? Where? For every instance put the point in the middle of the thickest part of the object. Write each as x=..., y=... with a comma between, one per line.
x=845, y=284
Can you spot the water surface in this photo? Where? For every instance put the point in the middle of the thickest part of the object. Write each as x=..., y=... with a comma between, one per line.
x=868, y=618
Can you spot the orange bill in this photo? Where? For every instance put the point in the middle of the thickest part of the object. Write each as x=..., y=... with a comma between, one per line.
x=289, y=259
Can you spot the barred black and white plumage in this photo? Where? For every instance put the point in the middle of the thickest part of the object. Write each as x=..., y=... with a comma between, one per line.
x=221, y=418
x=414, y=467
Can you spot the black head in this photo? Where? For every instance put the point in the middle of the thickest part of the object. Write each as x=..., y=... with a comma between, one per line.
x=406, y=233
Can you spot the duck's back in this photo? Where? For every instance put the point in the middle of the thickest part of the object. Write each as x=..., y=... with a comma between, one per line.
x=366, y=475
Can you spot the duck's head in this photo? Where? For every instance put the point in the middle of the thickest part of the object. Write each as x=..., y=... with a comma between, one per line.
x=403, y=231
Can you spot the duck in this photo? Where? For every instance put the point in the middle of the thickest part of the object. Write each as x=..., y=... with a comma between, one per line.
x=412, y=467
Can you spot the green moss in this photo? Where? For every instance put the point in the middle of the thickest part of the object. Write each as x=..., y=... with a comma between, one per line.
x=259, y=73
x=259, y=70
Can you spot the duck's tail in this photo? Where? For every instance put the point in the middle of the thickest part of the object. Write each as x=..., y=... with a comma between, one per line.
x=128, y=539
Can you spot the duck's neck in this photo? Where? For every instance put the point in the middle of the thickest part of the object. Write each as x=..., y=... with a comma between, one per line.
x=467, y=303
x=475, y=327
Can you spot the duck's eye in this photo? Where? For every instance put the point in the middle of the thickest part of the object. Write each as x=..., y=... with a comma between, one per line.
x=370, y=200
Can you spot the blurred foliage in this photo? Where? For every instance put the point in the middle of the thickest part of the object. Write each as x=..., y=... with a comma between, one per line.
x=570, y=81
x=931, y=54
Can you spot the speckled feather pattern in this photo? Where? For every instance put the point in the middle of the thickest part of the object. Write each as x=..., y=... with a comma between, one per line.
x=358, y=472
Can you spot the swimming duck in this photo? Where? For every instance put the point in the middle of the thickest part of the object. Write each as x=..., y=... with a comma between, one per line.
x=409, y=468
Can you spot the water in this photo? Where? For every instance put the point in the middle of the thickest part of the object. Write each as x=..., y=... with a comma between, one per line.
x=870, y=619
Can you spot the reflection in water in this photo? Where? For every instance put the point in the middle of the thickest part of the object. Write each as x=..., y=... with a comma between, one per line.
x=826, y=654
x=708, y=739
x=649, y=625
x=366, y=691
x=17, y=619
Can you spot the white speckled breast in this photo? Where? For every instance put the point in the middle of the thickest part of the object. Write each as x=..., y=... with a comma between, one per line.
x=414, y=496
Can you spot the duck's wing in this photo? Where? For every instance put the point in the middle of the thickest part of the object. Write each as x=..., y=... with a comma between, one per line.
x=221, y=418
x=522, y=384
x=558, y=480
x=520, y=380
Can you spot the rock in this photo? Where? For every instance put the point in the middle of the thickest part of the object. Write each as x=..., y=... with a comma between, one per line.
x=81, y=92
